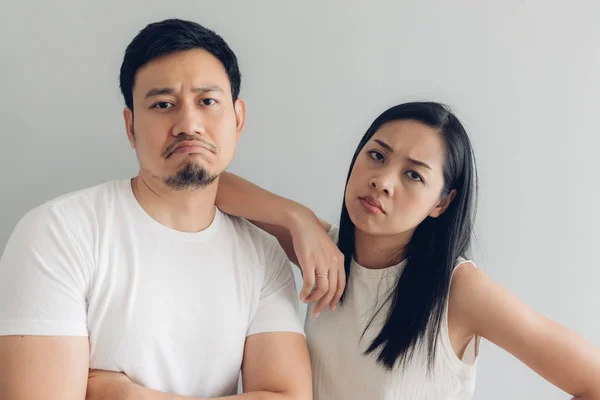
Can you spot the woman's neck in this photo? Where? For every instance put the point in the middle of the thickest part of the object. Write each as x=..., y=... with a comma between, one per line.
x=380, y=251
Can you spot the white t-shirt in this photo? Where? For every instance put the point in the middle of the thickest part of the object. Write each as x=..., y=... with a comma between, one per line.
x=170, y=309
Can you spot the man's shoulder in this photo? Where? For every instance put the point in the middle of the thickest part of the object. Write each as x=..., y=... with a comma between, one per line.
x=246, y=229
x=99, y=192
x=250, y=235
x=73, y=207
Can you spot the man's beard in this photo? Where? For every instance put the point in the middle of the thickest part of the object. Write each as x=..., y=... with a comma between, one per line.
x=190, y=176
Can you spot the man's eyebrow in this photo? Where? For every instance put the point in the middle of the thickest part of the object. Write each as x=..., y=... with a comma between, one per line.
x=158, y=92
x=206, y=89
x=166, y=90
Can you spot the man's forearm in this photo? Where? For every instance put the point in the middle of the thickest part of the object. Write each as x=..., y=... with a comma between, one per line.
x=142, y=393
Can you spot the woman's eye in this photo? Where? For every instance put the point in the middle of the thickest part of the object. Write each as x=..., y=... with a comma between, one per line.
x=414, y=176
x=375, y=155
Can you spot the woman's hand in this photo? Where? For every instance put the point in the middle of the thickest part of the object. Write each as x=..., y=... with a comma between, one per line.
x=320, y=260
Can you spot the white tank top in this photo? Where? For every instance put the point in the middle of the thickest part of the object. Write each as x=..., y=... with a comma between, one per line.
x=342, y=371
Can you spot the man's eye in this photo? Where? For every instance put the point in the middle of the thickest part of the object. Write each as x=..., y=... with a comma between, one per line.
x=163, y=104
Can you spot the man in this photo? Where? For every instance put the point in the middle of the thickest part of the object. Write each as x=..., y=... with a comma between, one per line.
x=146, y=276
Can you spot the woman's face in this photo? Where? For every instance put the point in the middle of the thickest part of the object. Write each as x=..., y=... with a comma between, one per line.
x=397, y=179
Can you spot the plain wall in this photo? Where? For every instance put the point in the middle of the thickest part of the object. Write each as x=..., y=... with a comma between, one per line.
x=524, y=77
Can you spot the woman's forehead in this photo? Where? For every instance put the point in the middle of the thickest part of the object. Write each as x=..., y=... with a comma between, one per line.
x=413, y=139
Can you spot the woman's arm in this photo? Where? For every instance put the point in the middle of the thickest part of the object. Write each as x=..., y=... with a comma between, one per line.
x=300, y=233
x=272, y=213
x=556, y=353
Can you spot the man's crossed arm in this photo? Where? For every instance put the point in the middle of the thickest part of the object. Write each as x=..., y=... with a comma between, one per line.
x=276, y=366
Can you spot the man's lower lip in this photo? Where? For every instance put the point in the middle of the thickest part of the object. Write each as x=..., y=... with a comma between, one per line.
x=189, y=149
x=370, y=207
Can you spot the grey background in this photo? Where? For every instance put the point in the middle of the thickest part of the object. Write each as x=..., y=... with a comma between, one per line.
x=523, y=76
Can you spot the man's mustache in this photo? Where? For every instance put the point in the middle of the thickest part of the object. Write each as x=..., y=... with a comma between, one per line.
x=189, y=138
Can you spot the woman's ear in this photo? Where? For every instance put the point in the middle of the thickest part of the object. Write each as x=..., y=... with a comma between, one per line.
x=443, y=205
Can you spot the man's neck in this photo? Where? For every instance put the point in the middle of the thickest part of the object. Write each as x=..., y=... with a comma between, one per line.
x=182, y=210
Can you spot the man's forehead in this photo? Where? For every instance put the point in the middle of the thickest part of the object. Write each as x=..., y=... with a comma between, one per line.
x=195, y=68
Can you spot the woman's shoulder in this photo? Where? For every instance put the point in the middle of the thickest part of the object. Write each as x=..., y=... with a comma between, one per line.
x=464, y=261
x=466, y=276
x=469, y=288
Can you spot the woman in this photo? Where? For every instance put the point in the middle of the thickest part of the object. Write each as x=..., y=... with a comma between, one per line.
x=412, y=306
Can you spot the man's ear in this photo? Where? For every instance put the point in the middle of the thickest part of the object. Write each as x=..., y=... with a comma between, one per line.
x=240, y=116
x=443, y=205
x=128, y=117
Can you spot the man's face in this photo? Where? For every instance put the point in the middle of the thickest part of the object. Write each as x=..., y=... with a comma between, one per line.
x=184, y=126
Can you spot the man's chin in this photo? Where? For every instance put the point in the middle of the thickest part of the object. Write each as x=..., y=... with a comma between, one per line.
x=192, y=175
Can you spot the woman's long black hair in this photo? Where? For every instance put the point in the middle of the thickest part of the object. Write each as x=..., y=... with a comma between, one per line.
x=418, y=301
